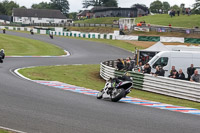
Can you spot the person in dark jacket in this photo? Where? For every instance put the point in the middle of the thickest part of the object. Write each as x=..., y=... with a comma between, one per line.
x=172, y=71
x=162, y=71
x=174, y=75
x=147, y=68
x=120, y=65
x=159, y=71
x=190, y=71
x=181, y=75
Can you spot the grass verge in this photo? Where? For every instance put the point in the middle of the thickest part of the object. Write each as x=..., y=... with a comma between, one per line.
x=4, y=131
x=20, y=46
x=88, y=76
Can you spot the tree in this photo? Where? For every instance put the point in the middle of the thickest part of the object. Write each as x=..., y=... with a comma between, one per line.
x=104, y=3
x=141, y=6
x=73, y=15
x=62, y=5
x=2, y=9
x=166, y=7
x=42, y=5
x=110, y=3
x=23, y=7
x=182, y=6
x=196, y=5
x=156, y=6
x=175, y=7
x=8, y=6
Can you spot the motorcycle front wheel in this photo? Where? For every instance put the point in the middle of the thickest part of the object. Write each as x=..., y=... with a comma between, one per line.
x=100, y=95
x=117, y=94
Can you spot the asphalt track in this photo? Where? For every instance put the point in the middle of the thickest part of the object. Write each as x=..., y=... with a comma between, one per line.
x=34, y=108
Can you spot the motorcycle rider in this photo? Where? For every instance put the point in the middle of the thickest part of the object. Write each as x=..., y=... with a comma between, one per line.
x=125, y=77
x=51, y=35
x=31, y=31
x=4, y=30
x=2, y=55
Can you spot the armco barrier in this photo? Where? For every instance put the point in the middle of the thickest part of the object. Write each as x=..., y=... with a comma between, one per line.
x=162, y=85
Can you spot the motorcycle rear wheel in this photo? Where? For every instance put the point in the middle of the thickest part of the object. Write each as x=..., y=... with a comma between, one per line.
x=117, y=94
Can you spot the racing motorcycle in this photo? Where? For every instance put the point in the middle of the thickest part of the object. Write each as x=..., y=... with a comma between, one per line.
x=4, y=31
x=31, y=31
x=2, y=55
x=51, y=36
x=116, y=88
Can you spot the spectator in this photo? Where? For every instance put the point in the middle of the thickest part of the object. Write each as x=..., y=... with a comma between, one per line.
x=132, y=61
x=157, y=73
x=174, y=75
x=122, y=61
x=172, y=71
x=120, y=65
x=190, y=71
x=127, y=65
x=181, y=75
x=162, y=71
x=140, y=69
x=147, y=68
x=171, y=14
x=178, y=12
x=195, y=77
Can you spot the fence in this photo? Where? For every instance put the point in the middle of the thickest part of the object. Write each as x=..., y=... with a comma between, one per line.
x=151, y=28
x=162, y=85
x=112, y=36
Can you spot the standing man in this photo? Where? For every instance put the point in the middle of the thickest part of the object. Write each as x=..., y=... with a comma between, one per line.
x=190, y=71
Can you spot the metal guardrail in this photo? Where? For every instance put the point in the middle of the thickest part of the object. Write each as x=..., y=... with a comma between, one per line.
x=161, y=85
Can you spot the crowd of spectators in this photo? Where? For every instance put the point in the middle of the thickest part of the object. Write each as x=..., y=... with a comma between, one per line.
x=129, y=64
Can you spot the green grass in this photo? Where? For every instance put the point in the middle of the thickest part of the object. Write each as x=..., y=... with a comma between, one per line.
x=4, y=131
x=177, y=21
x=88, y=76
x=160, y=19
x=104, y=20
x=14, y=45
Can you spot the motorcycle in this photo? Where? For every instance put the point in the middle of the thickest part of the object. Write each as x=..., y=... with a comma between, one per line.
x=31, y=31
x=4, y=31
x=115, y=90
x=2, y=55
x=51, y=36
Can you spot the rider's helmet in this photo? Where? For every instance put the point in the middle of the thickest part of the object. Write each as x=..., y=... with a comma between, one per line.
x=127, y=74
x=2, y=50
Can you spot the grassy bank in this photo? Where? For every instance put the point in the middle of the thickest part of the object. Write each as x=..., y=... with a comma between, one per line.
x=14, y=45
x=159, y=19
x=88, y=76
x=103, y=20
x=177, y=21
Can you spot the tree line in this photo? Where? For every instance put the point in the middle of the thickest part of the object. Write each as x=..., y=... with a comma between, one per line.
x=164, y=7
x=63, y=5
